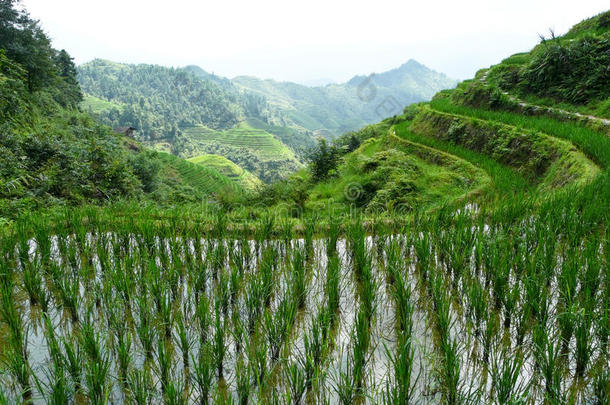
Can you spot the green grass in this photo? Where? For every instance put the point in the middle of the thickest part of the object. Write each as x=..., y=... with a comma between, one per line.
x=389, y=175
x=97, y=105
x=203, y=179
x=594, y=144
x=227, y=168
x=505, y=180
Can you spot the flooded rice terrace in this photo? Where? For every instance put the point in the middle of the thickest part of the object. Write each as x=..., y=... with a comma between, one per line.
x=416, y=318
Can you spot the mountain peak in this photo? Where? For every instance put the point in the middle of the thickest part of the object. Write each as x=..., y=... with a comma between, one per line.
x=412, y=63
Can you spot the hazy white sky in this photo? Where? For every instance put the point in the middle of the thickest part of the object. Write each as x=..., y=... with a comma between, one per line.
x=306, y=40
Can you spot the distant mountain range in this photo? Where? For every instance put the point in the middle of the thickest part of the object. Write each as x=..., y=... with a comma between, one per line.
x=336, y=108
x=166, y=103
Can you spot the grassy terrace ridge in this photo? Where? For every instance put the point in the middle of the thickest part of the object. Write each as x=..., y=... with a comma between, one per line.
x=548, y=161
x=387, y=175
x=480, y=177
x=504, y=180
x=224, y=166
x=204, y=179
x=592, y=143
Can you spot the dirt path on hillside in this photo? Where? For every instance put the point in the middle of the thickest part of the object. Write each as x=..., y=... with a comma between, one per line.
x=552, y=110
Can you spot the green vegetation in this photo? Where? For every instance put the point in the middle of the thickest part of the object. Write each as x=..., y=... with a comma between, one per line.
x=255, y=150
x=172, y=108
x=52, y=154
x=225, y=167
x=205, y=180
x=333, y=109
x=188, y=112
x=570, y=70
x=455, y=253
x=159, y=101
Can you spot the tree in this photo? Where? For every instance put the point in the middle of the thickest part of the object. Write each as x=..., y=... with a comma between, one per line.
x=71, y=92
x=26, y=43
x=323, y=159
x=353, y=144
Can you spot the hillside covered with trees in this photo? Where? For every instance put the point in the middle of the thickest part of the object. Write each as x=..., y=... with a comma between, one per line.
x=54, y=154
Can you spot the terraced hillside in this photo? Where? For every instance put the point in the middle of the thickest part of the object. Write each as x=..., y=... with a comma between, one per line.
x=224, y=166
x=204, y=180
x=255, y=150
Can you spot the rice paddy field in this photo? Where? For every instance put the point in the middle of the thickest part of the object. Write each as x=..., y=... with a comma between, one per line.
x=224, y=166
x=449, y=310
x=204, y=179
x=243, y=136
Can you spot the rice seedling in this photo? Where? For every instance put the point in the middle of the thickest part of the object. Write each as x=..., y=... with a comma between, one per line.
x=73, y=359
x=422, y=251
x=583, y=341
x=123, y=350
x=203, y=372
x=547, y=355
x=184, y=342
x=296, y=382
x=59, y=392
x=333, y=279
x=505, y=371
x=266, y=270
x=144, y=328
x=243, y=381
x=362, y=340
x=17, y=359
x=254, y=301
x=164, y=365
x=344, y=386
x=219, y=340
x=139, y=387
x=298, y=282
x=601, y=388
x=400, y=387
x=333, y=236
x=96, y=379
x=175, y=393
x=275, y=334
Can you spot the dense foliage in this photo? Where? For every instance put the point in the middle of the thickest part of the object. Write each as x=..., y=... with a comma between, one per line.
x=323, y=160
x=50, y=153
x=164, y=104
x=24, y=42
x=576, y=71
x=571, y=69
x=456, y=253
x=159, y=101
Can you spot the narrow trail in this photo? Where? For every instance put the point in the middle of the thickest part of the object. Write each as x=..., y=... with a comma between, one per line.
x=552, y=110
